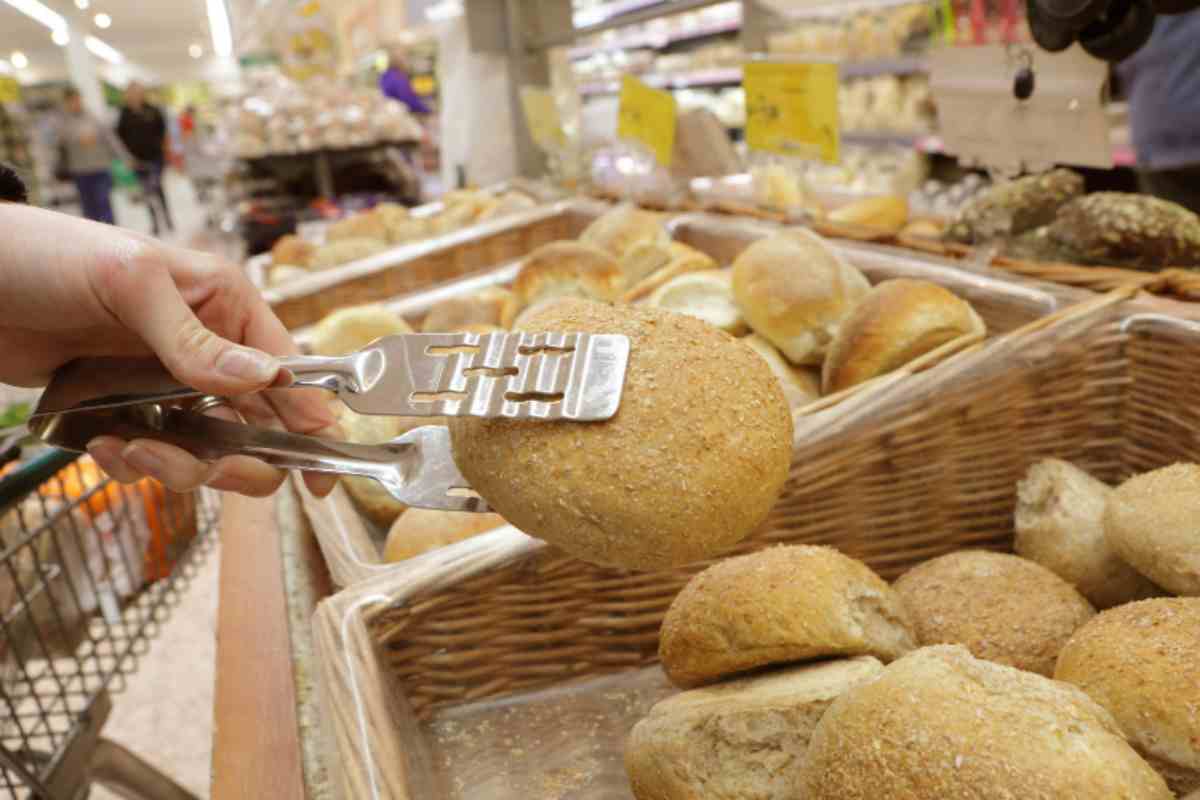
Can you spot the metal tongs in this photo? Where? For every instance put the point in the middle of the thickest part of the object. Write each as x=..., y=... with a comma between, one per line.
x=520, y=376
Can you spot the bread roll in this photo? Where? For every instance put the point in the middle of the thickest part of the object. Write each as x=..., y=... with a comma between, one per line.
x=1152, y=522
x=371, y=497
x=794, y=291
x=1141, y=661
x=1001, y=607
x=349, y=329
x=1060, y=525
x=488, y=307
x=363, y=225
x=292, y=250
x=681, y=260
x=617, y=230
x=508, y=203
x=801, y=385
x=939, y=724
x=896, y=323
x=663, y=482
x=924, y=228
x=887, y=213
x=741, y=739
x=284, y=273
x=408, y=229
x=344, y=251
x=704, y=295
x=780, y=605
x=567, y=269
x=419, y=530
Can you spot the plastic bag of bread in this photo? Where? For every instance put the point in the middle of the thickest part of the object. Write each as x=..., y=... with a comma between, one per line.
x=344, y=251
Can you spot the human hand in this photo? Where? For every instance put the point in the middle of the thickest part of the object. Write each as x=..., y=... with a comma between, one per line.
x=74, y=288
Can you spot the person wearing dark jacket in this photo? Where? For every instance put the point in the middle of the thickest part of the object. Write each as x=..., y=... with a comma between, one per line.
x=143, y=129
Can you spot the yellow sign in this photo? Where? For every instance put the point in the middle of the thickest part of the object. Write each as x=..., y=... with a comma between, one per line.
x=541, y=115
x=10, y=90
x=792, y=109
x=647, y=116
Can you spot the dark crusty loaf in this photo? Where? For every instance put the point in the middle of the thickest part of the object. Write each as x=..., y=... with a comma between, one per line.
x=1132, y=230
x=1013, y=207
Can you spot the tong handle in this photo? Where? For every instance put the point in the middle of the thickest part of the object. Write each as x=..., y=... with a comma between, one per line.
x=332, y=373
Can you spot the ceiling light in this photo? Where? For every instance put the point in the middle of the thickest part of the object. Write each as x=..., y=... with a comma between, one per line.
x=43, y=14
x=195, y=50
x=102, y=50
x=103, y=20
x=82, y=5
x=19, y=60
x=218, y=23
x=60, y=37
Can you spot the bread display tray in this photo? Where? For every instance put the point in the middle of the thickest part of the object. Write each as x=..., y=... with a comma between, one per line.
x=352, y=545
x=500, y=668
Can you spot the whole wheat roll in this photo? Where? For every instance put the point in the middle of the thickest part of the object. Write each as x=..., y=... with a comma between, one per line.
x=685, y=468
x=1152, y=522
x=939, y=724
x=1001, y=607
x=1141, y=661
x=739, y=739
x=780, y=605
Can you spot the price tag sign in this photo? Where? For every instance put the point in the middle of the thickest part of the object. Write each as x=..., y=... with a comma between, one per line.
x=10, y=90
x=541, y=115
x=792, y=109
x=647, y=116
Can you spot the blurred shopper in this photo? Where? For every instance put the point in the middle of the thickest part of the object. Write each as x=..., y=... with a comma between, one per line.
x=86, y=152
x=396, y=84
x=16, y=151
x=143, y=129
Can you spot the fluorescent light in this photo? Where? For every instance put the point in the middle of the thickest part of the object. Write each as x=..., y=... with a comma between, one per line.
x=82, y=5
x=102, y=50
x=19, y=60
x=43, y=14
x=218, y=23
x=60, y=37
x=5, y=69
x=103, y=20
x=195, y=50
x=447, y=9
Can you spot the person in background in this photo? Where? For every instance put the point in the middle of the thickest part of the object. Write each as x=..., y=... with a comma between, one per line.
x=143, y=129
x=395, y=83
x=1162, y=82
x=16, y=151
x=86, y=151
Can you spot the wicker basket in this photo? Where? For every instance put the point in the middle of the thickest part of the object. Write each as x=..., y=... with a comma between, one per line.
x=353, y=546
x=499, y=631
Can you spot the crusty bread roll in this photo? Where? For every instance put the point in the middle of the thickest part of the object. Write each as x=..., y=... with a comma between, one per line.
x=488, y=307
x=1141, y=661
x=402, y=230
x=780, y=605
x=1060, y=525
x=617, y=230
x=887, y=213
x=704, y=295
x=681, y=260
x=801, y=385
x=610, y=492
x=794, y=291
x=567, y=269
x=456, y=215
x=369, y=494
x=939, y=724
x=896, y=323
x=505, y=204
x=740, y=739
x=1001, y=607
x=349, y=329
x=292, y=250
x=284, y=273
x=344, y=251
x=1152, y=522
x=419, y=530
x=363, y=225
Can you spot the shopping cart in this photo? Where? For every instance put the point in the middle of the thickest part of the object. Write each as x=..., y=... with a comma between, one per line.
x=89, y=570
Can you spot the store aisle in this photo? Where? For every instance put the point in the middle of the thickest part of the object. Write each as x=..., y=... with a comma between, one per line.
x=189, y=215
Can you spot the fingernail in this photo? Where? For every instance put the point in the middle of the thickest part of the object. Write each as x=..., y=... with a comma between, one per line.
x=143, y=460
x=246, y=364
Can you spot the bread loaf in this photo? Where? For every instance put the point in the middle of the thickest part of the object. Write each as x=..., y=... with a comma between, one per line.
x=617, y=230
x=801, y=385
x=1001, y=607
x=1010, y=208
x=794, y=291
x=1140, y=661
x=1060, y=525
x=663, y=482
x=292, y=250
x=1134, y=230
x=350, y=329
x=780, y=605
x=488, y=307
x=1152, y=522
x=740, y=739
x=939, y=724
x=567, y=269
x=419, y=530
x=706, y=296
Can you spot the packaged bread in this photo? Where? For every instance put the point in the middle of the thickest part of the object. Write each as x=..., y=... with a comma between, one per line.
x=801, y=385
x=794, y=291
x=739, y=739
x=1139, y=661
x=1130, y=230
x=660, y=484
x=350, y=329
x=491, y=307
x=420, y=530
x=344, y=251
x=1060, y=525
x=661, y=266
x=894, y=324
x=1151, y=521
x=293, y=251
x=363, y=225
x=794, y=603
x=617, y=230
x=887, y=213
x=704, y=295
x=567, y=269
x=941, y=724
x=1010, y=208
x=999, y=606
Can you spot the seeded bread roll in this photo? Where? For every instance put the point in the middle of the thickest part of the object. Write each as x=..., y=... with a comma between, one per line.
x=794, y=291
x=1001, y=607
x=704, y=295
x=349, y=329
x=567, y=269
x=1135, y=230
x=780, y=605
x=619, y=229
x=896, y=323
x=1152, y=522
x=344, y=251
x=419, y=530
x=488, y=307
x=801, y=385
x=1140, y=662
x=663, y=482
x=939, y=724
x=1011, y=208
x=740, y=739
x=363, y=225
x=1060, y=525
x=293, y=251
